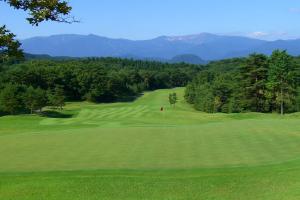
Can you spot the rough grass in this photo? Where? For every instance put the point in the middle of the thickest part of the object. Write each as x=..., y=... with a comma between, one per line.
x=134, y=151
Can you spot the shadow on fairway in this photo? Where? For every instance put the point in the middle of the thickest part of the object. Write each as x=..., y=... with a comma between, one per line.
x=55, y=114
x=128, y=98
x=2, y=114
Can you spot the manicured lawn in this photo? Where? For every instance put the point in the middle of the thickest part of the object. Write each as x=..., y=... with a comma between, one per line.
x=135, y=151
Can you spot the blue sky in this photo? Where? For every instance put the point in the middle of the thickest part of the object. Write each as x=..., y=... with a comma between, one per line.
x=145, y=19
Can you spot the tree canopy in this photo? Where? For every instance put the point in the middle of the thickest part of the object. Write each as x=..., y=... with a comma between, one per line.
x=38, y=11
x=173, y=99
x=43, y=10
x=89, y=79
x=9, y=47
x=257, y=83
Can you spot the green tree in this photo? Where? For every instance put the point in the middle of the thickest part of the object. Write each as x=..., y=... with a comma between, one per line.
x=56, y=98
x=9, y=47
x=190, y=93
x=257, y=83
x=254, y=76
x=204, y=99
x=39, y=11
x=35, y=99
x=297, y=106
x=281, y=80
x=221, y=88
x=11, y=99
x=173, y=98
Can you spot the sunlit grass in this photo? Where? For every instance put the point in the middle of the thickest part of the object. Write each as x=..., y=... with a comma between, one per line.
x=135, y=151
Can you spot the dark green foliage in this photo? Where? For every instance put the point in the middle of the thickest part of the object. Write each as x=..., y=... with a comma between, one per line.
x=213, y=92
x=93, y=79
x=11, y=99
x=256, y=84
x=254, y=76
x=297, y=105
x=9, y=47
x=35, y=99
x=56, y=98
x=173, y=99
x=223, y=66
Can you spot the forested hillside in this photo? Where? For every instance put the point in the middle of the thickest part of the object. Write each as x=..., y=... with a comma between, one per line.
x=31, y=85
x=257, y=83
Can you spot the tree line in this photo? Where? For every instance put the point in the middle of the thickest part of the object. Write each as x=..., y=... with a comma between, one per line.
x=258, y=83
x=29, y=86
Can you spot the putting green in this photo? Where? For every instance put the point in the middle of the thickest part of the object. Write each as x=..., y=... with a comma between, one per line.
x=139, y=136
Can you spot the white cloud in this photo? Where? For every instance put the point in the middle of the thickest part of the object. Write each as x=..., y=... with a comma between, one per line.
x=258, y=34
x=268, y=35
x=265, y=35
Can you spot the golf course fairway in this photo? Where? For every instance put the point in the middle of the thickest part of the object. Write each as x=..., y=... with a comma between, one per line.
x=134, y=150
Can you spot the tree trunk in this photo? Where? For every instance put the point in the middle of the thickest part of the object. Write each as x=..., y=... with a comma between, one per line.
x=281, y=101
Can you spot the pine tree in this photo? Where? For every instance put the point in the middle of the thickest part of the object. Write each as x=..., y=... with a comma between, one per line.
x=281, y=80
x=254, y=76
x=35, y=99
x=11, y=99
x=57, y=97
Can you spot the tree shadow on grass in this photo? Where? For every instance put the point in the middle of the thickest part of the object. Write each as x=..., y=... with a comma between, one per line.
x=2, y=114
x=55, y=114
x=128, y=98
x=123, y=99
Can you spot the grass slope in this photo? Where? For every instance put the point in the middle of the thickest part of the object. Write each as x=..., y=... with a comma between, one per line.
x=134, y=151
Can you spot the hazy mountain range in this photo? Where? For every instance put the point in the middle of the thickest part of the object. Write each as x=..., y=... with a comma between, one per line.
x=194, y=48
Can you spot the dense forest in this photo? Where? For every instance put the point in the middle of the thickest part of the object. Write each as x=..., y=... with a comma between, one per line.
x=258, y=83
x=29, y=86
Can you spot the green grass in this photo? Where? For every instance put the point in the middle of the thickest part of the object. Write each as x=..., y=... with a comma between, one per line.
x=134, y=151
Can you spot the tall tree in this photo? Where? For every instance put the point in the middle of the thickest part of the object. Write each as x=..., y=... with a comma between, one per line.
x=173, y=99
x=9, y=47
x=281, y=79
x=57, y=97
x=257, y=83
x=254, y=76
x=222, y=92
x=35, y=99
x=11, y=99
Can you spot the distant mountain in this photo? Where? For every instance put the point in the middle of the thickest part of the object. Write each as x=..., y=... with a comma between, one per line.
x=205, y=46
x=188, y=58
x=292, y=46
x=29, y=56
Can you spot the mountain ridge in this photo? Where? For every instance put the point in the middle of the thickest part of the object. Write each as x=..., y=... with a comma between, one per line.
x=206, y=46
